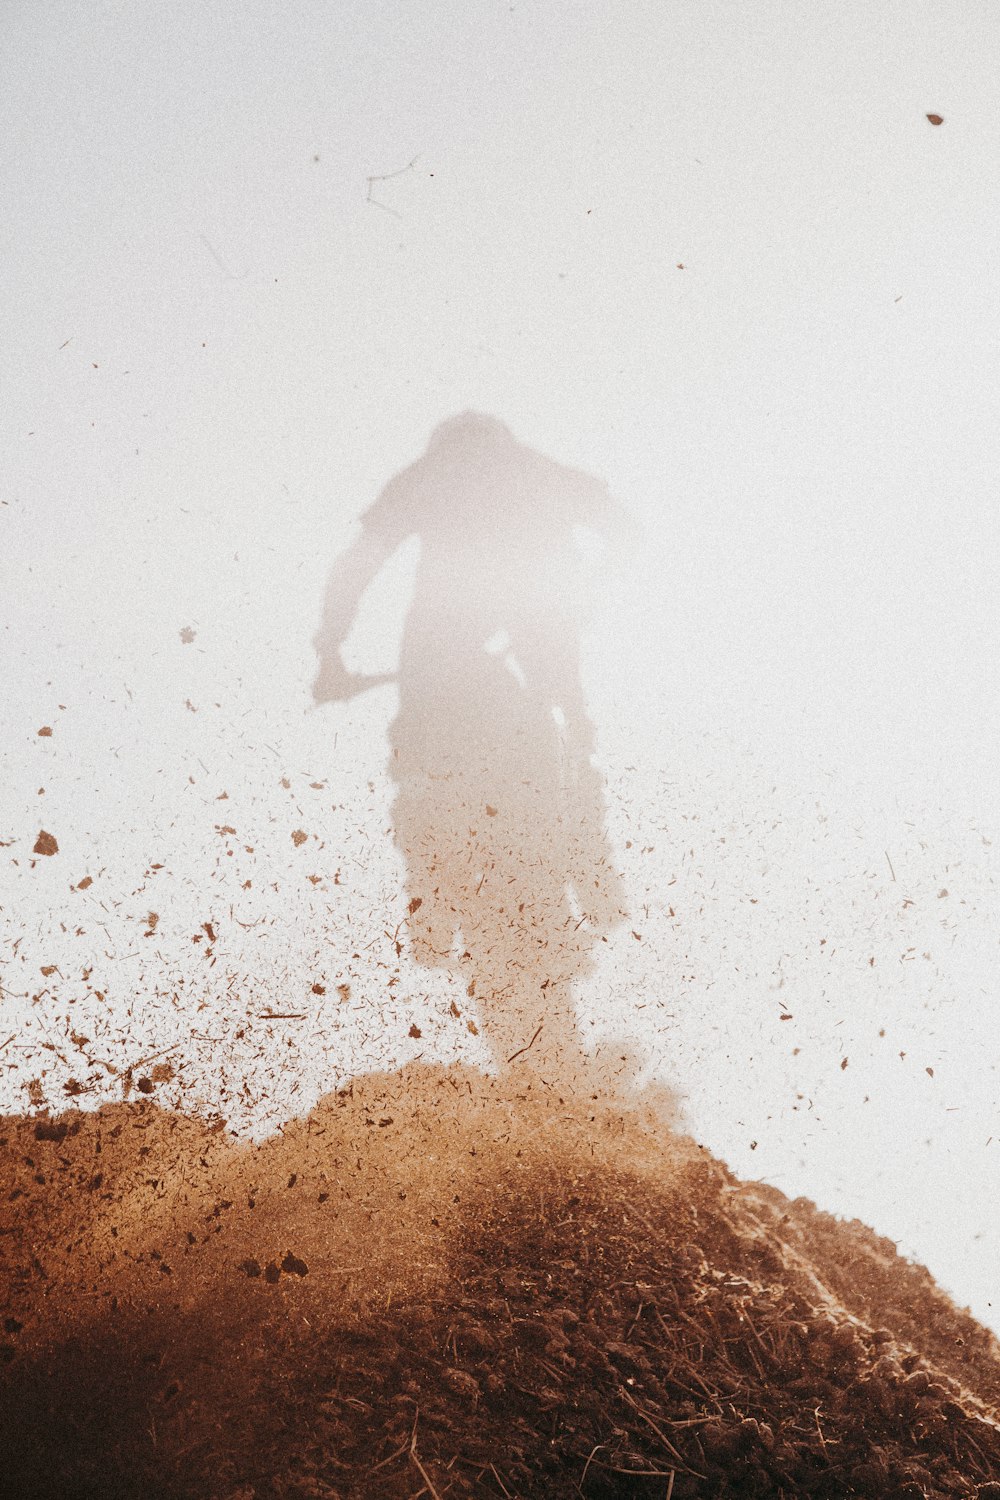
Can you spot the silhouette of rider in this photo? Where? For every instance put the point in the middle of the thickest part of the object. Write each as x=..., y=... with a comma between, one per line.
x=499, y=813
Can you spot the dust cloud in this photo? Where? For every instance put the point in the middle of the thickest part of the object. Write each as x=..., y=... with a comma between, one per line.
x=508, y=1276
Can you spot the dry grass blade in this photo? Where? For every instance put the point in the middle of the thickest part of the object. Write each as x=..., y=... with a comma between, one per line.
x=424, y=1474
x=500, y=1482
x=659, y=1433
x=385, y=1462
x=415, y=1459
x=590, y=1459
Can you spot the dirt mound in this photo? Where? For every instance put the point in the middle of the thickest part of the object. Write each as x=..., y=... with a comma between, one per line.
x=431, y=1287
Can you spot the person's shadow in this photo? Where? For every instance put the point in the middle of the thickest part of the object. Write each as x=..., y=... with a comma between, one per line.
x=499, y=813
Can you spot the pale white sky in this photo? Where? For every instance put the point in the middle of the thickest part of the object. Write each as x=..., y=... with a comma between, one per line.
x=216, y=352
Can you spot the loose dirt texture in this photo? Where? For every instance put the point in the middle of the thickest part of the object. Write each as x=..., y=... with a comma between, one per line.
x=431, y=1287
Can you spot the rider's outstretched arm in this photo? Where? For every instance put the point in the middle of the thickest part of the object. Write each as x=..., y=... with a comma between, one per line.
x=383, y=529
x=350, y=576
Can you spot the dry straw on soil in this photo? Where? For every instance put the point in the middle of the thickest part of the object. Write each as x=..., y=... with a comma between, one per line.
x=431, y=1288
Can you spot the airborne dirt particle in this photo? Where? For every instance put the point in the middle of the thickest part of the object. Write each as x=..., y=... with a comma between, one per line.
x=936, y=119
x=45, y=731
x=299, y=837
x=45, y=844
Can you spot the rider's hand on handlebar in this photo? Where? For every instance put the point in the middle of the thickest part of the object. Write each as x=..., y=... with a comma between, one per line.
x=334, y=683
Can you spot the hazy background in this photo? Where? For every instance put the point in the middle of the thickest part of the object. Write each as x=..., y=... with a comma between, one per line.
x=714, y=253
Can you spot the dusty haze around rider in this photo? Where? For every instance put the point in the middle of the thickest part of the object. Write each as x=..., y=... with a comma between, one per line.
x=499, y=810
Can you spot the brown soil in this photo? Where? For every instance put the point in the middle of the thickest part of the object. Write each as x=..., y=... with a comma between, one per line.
x=431, y=1288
